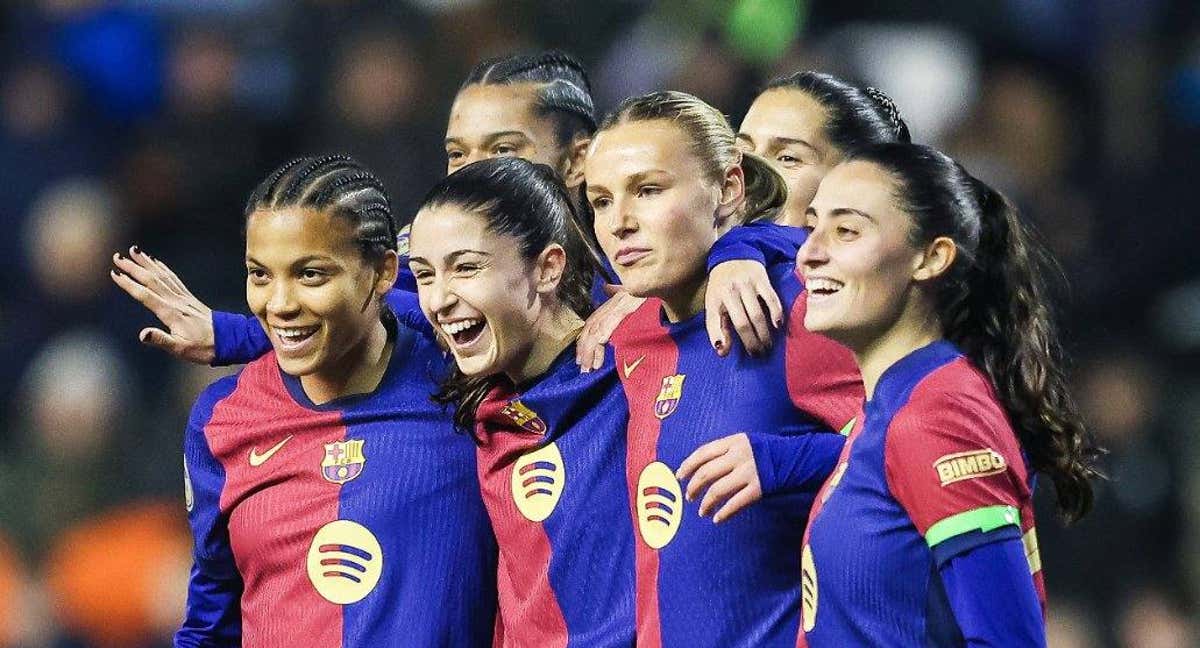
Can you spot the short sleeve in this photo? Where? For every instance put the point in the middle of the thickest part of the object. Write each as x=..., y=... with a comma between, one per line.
x=952, y=461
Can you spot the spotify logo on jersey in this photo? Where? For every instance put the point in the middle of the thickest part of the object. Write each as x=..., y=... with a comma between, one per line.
x=537, y=482
x=659, y=505
x=808, y=589
x=344, y=562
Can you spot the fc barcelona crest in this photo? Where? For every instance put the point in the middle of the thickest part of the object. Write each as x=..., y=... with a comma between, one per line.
x=668, y=396
x=524, y=417
x=343, y=461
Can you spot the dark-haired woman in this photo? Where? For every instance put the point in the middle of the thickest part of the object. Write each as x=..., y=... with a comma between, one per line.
x=802, y=124
x=925, y=533
x=329, y=501
x=492, y=255
x=665, y=179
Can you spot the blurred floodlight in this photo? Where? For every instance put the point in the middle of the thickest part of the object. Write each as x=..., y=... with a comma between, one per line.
x=930, y=71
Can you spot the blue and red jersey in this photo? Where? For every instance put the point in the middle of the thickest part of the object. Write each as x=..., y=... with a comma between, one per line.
x=552, y=471
x=932, y=471
x=357, y=522
x=737, y=583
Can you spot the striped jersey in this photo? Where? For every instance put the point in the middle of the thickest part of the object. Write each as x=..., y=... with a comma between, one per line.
x=931, y=466
x=737, y=583
x=353, y=523
x=552, y=472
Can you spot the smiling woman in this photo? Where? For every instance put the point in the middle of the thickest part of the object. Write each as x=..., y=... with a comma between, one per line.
x=502, y=277
x=297, y=480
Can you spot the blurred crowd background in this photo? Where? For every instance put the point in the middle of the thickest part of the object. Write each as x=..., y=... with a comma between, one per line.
x=148, y=122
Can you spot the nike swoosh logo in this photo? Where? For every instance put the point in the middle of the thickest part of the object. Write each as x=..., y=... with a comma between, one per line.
x=629, y=368
x=257, y=460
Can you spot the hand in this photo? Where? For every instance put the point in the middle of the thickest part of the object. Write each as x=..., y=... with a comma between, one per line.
x=740, y=294
x=726, y=468
x=189, y=335
x=589, y=348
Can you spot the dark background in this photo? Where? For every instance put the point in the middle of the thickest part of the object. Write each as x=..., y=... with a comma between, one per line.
x=149, y=122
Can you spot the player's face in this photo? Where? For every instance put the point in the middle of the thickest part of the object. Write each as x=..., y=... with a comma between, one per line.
x=787, y=127
x=858, y=261
x=657, y=215
x=476, y=290
x=311, y=289
x=488, y=121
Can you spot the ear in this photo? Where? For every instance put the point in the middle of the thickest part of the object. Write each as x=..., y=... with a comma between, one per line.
x=935, y=259
x=733, y=194
x=549, y=268
x=385, y=272
x=573, y=165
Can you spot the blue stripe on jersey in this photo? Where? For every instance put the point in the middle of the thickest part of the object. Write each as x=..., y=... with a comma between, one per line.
x=215, y=587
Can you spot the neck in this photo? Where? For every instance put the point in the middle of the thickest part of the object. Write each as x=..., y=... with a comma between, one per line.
x=915, y=328
x=358, y=372
x=553, y=331
x=687, y=300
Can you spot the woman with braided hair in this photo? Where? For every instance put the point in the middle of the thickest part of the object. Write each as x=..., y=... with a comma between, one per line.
x=329, y=501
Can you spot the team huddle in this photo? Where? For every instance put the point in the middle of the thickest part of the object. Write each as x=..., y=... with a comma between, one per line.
x=639, y=380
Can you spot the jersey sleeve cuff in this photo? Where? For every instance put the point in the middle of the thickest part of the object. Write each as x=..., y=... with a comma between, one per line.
x=983, y=519
x=733, y=251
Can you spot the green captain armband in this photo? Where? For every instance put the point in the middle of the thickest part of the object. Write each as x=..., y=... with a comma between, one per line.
x=848, y=427
x=988, y=518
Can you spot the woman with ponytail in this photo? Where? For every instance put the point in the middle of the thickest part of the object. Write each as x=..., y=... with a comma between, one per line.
x=925, y=533
x=709, y=437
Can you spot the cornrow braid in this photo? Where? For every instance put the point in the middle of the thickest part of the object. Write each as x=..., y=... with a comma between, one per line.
x=855, y=117
x=338, y=183
x=892, y=111
x=565, y=95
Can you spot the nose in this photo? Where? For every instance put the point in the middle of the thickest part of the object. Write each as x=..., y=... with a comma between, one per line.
x=438, y=296
x=283, y=302
x=813, y=253
x=622, y=220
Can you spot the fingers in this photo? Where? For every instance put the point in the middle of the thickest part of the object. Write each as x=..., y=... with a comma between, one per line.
x=136, y=271
x=589, y=348
x=740, y=319
x=158, y=339
x=699, y=457
x=715, y=323
x=759, y=318
x=722, y=490
x=766, y=292
x=737, y=502
x=143, y=295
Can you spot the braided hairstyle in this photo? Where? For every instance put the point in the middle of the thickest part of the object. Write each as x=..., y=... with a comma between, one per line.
x=857, y=117
x=333, y=182
x=565, y=95
x=993, y=304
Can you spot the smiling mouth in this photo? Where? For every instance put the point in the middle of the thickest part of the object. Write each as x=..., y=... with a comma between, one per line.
x=291, y=338
x=464, y=332
x=823, y=286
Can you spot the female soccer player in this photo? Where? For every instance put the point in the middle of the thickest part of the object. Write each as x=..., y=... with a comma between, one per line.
x=924, y=536
x=329, y=500
x=665, y=179
x=802, y=124
x=491, y=253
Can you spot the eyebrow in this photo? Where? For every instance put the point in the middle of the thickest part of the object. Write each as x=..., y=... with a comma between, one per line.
x=491, y=137
x=846, y=211
x=450, y=258
x=302, y=260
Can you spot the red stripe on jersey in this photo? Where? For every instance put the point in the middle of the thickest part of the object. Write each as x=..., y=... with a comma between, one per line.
x=822, y=375
x=277, y=506
x=642, y=365
x=528, y=608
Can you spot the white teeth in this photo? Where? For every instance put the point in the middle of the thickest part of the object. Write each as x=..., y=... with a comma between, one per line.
x=294, y=334
x=823, y=284
x=459, y=326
